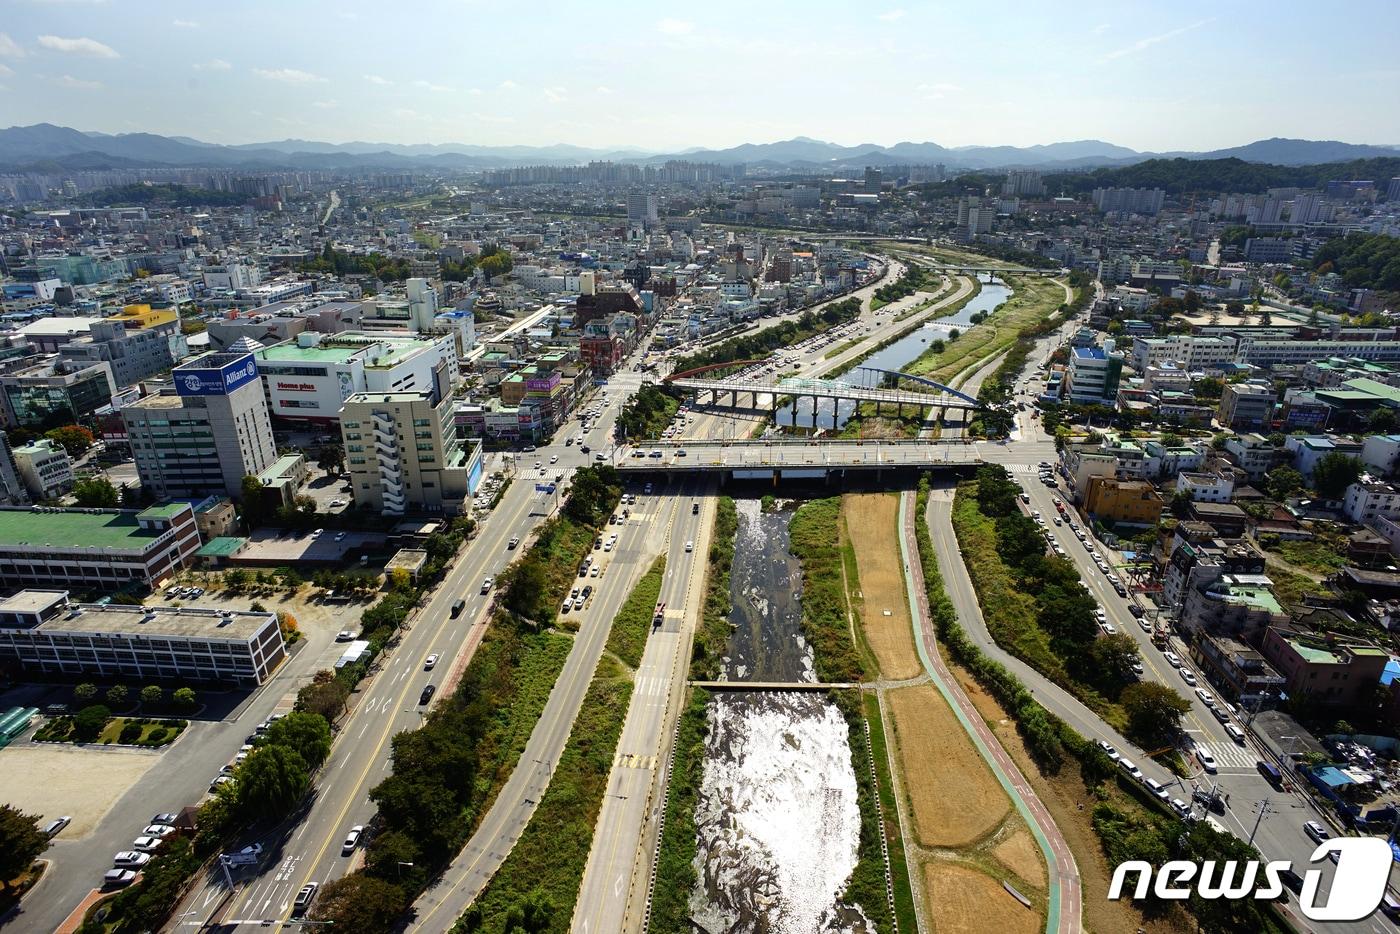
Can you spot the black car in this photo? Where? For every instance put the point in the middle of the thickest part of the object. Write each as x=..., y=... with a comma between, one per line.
x=1291, y=879
x=427, y=694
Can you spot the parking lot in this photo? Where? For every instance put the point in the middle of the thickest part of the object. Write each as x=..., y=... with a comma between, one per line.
x=79, y=782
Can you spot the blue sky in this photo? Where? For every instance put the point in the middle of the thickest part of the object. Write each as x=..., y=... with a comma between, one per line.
x=666, y=76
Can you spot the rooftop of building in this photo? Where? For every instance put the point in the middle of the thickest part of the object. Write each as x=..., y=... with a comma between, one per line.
x=159, y=400
x=224, y=546
x=1319, y=651
x=180, y=622
x=74, y=529
x=1242, y=590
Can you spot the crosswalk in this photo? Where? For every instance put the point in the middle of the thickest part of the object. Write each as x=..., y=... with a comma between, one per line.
x=1229, y=755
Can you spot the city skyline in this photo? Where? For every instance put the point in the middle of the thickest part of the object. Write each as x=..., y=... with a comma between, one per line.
x=1160, y=78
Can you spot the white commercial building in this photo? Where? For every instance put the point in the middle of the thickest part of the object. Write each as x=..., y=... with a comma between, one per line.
x=1192, y=352
x=1367, y=499
x=208, y=436
x=45, y=468
x=310, y=378
x=1381, y=453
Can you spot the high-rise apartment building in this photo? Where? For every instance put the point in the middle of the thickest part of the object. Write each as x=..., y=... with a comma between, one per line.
x=641, y=207
x=213, y=432
x=1129, y=200
x=1023, y=183
x=403, y=451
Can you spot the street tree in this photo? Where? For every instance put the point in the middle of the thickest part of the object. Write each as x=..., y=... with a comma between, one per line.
x=152, y=694
x=359, y=904
x=307, y=733
x=271, y=782
x=75, y=439
x=97, y=493
x=1154, y=711
x=21, y=842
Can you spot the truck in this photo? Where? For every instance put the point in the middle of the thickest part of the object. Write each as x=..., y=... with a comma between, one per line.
x=1160, y=634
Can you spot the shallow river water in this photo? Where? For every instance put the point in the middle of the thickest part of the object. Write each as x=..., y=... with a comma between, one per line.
x=777, y=818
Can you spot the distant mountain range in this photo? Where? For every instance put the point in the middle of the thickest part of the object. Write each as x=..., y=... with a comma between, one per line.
x=46, y=147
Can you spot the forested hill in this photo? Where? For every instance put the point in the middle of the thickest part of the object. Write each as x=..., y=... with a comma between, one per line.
x=1179, y=176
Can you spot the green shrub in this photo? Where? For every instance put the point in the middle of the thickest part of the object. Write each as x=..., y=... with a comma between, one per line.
x=130, y=733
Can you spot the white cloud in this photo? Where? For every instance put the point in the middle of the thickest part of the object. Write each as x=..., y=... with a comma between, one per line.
x=891, y=16
x=491, y=118
x=214, y=64
x=1150, y=41
x=289, y=75
x=429, y=86
x=79, y=46
x=508, y=85
x=325, y=105
x=1100, y=29
x=603, y=89
x=675, y=27
x=375, y=79
x=9, y=48
x=6, y=71
x=941, y=87
x=556, y=95
x=68, y=81
x=184, y=24
x=403, y=113
x=475, y=92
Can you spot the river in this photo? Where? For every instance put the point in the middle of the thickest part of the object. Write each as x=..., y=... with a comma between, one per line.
x=777, y=818
x=833, y=415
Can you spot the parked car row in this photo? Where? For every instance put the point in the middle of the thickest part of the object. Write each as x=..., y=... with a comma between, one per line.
x=127, y=863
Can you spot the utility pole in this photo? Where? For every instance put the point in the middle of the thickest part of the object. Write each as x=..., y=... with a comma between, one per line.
x=1264, y=809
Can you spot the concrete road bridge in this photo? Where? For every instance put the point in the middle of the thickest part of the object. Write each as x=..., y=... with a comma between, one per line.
x=764, y=394
x=796, y=458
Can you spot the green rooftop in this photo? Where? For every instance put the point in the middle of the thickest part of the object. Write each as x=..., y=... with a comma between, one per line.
x=163, y=511
x=225, y=546
x=78, y=529
x=293, y=353
x=1260, y=598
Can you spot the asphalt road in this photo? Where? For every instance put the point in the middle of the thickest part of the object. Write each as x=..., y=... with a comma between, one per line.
x=654, y=521
x=307, y=847
x=1279, y=834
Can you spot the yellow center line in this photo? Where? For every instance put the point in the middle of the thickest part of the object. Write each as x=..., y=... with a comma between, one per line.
x=515, y=803
x=388, y=729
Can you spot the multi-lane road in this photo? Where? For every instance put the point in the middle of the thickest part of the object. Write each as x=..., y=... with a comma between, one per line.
x=1279, y=834
x=307, y=848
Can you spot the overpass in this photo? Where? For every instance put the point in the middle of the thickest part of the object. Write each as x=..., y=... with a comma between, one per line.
x=796, y=458
x=816, y=389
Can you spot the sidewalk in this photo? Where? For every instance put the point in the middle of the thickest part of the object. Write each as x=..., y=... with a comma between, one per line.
x=1063, y=911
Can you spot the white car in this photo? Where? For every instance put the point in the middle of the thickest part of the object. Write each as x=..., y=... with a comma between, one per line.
x=689, y=547
x=158, y=830
x=1107, y=749
x=131, y=859
x=352, y=840
x=1206, y=697
x=1188, y=677
x=429, y=662
x=1108, y=629
x=1156, y=788
x=1207, y=760
x=147, y=844
x=1172, y=658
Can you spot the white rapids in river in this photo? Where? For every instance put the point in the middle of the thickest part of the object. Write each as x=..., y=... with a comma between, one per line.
x=777, y=818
